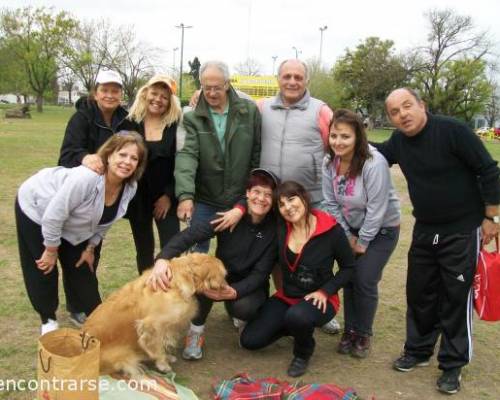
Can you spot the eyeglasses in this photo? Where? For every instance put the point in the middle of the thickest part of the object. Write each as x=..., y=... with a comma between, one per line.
x=215, y=89
x=268, y=195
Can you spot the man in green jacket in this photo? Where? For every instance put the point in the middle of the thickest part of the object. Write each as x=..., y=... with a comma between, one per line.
x=221, y=147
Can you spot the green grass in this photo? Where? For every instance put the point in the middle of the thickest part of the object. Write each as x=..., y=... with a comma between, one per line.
x=379, y=135
x=28, y=145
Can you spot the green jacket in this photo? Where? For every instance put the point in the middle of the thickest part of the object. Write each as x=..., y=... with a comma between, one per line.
x=202, y=171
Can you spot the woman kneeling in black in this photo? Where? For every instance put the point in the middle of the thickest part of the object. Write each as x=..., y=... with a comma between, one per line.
x=248, y=253
x=309, y=241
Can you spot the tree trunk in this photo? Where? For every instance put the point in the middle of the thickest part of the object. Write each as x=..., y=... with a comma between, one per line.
x=39, y=103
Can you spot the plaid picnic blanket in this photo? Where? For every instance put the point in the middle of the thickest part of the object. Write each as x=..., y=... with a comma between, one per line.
x=243, y=387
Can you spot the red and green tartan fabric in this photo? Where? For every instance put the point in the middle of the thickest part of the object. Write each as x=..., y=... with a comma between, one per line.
x=243, y=387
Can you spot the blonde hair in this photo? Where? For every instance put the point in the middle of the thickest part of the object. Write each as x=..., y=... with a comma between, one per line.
x=117, y=142
x=173, y=114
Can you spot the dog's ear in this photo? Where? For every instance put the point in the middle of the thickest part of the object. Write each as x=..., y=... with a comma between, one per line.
x=184, y=280
x=215, y=274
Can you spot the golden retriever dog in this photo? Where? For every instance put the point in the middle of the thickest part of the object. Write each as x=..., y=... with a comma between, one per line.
x=136, y=324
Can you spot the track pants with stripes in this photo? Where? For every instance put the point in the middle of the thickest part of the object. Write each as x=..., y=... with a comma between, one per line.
x=439, y=296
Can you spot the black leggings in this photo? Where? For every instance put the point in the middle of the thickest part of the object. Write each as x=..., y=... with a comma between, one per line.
x=80, y=284
x=142, y=231
x=277, y=319
x=244, y=308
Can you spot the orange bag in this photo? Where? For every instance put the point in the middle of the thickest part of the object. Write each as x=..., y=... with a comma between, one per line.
x=487, y=284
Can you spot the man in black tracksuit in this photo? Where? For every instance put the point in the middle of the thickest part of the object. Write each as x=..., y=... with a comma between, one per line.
x=454, y=188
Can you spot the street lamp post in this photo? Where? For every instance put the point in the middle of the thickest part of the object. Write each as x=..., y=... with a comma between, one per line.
x=173, y=60
x=182, y=27
x=297, y=51
x=274, y=62
x=321, y=29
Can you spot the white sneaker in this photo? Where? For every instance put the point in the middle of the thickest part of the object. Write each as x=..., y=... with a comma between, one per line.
x=49, y=326
x=238, y=322
x=332, y=327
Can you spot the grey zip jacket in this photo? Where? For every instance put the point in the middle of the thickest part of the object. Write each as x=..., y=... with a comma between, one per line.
x=68, y=203
x=367, y=203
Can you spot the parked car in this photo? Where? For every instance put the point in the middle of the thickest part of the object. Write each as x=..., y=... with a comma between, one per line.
x=483, y=131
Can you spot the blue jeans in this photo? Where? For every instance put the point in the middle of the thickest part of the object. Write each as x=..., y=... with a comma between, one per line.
x=203, y=213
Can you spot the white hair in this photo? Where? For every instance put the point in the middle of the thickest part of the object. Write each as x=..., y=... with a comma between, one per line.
x=220, y=65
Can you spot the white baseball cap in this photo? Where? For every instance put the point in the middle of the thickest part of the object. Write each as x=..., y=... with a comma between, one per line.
x=108, y=76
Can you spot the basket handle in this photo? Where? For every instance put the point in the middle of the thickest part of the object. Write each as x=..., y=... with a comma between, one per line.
x=41, y=362
x=85, y=343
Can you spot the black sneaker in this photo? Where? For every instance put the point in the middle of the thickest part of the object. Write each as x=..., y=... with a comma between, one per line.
x=297, y=367
x=406, y=363
x=449, y=381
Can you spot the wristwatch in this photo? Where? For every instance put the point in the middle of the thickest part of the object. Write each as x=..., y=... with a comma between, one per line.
x=495, y=218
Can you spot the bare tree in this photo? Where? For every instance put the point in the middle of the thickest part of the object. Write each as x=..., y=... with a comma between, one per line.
x=451, y=37
x=68, y=80
x=249, y=67
x=492, y=112
x=132, y=59
x=90, y=47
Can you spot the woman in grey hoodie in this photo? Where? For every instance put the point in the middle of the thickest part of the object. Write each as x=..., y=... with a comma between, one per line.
x=359, y=193
x=64, y=213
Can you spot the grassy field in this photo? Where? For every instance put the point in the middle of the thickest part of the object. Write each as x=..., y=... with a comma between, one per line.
x=28, y=145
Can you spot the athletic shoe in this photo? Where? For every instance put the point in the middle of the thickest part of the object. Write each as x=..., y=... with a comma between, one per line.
x=346, y=342
x=238, y=322
x=406, y=363
x=332, y=327
x=194, y=346
x=298, y=367
x=361, y=347
x=78, y=318
x=49, y=326
x=449, y=381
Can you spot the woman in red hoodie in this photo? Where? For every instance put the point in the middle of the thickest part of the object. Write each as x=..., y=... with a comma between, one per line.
x=309, y=242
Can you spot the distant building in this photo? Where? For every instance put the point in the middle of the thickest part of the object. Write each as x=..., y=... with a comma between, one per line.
x=257, y=87
x=9, y=98
x=63, y=97
x=480, y=121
